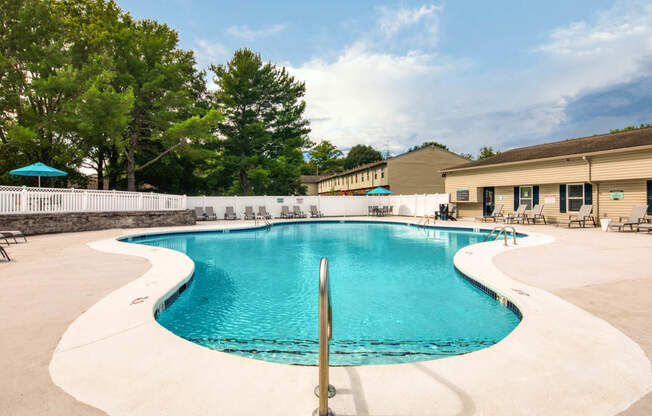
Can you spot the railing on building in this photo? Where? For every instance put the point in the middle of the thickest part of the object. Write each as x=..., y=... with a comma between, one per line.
x=25, y=200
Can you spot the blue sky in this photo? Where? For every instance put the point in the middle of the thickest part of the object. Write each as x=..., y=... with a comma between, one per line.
x=465, y=73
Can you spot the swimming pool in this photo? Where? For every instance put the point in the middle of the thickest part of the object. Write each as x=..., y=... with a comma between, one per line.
x=395, y=293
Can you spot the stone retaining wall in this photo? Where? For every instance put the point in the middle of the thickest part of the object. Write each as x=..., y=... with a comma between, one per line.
x=32, y=224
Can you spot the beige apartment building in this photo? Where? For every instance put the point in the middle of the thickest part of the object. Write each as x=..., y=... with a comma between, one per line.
x=310, y=182
x=611, y=172
x=415, y=172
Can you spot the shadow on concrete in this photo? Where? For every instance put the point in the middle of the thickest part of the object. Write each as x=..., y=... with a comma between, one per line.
x=360, y=401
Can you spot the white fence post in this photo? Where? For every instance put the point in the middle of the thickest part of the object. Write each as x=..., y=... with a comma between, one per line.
x=85, y=200
x=23, y=199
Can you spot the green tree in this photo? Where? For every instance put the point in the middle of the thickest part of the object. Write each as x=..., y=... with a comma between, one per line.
x=630, y=128
x=264, y=131
x=428, y=144
x=361, y=154
x=325, y=158
x=166, y=87
x=468, y=156
x=37, y=81
x=486, y=151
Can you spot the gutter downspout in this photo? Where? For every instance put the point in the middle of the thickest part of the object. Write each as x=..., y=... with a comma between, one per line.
x=587, y=159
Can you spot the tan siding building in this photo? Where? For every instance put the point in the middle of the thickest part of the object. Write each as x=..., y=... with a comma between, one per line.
x=612, y=172
x=410, y=173
x=310, y=182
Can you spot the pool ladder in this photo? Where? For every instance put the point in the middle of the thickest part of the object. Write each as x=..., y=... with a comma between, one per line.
x=262, y=219
x=324, y=390
x=498, y=231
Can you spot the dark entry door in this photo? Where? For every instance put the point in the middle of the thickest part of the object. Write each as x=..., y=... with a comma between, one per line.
x=488, y=200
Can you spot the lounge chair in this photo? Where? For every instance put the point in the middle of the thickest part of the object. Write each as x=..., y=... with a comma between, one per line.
x=199, y=214
x=262, y=213
x=249, y=213
x=4, y=254
x=496, y=214
x=314, y=212
x=229, y=214
x=635, y=218
x=210, y=214
x=518, y=216
x=537, y=214
x=285, y=212
x=297, y=212
x=452, y=212
x=13, y=234
x=645, y=226
x=581, y=217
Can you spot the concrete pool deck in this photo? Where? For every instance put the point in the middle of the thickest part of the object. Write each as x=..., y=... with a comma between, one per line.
x=54, y=278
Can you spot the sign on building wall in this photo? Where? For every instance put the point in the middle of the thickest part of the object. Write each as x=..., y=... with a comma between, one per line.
x=617, y=194
x=550, y=199
x=299, y=200
x=462, y=194
x=279, y=200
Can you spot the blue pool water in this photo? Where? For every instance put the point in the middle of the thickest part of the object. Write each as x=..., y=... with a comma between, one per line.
x=395, y=294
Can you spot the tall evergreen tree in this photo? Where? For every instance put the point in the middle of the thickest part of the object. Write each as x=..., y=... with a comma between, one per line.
x=264, y=131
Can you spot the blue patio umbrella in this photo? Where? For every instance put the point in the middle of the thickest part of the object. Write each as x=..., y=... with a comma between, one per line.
x=38, y=169
x=379, y=191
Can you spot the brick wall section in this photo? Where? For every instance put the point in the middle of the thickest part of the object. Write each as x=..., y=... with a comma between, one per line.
x=32, y=224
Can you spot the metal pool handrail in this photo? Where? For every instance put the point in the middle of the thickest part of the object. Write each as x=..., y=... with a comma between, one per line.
x=499, y=231
x=325, y=390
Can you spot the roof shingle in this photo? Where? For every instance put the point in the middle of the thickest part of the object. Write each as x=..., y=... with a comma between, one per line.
x=598, y=143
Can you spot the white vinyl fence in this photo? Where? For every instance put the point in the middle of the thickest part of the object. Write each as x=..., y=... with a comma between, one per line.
x=331, y=206
x=24, y=200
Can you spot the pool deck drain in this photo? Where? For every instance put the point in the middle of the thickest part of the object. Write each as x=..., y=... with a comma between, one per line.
x=560, y=360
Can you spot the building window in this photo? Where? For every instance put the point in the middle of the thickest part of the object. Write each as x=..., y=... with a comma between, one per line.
x=375, y=174
x=574, y=196
x=382, y=172
x=525, y=196
x=367, y=175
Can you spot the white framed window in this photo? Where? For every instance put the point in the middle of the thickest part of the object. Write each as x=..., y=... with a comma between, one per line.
x=525, y=196
x=574, y=196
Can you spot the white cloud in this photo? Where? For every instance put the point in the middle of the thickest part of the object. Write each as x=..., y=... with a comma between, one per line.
x=246, y=33
x=392, y=21
x=208, y=53
x=371, y=96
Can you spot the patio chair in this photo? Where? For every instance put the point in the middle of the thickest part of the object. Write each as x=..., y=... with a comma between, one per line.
x=496, y=214
x=370, y=210
x=285, y=212
x=298, y=213
x=4, y=254
x=199, y=214
x=537, y=214
x=314, y=212
x=210, y=214
x=262, y=213
x=249, y=213
x=374, y=210
x=384, y=211
x=13, y=234
x=581, y=217
x=635, y=218
x=518, y=216
x=229, y=214
x=452, y=212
